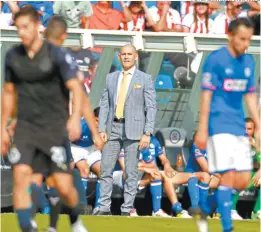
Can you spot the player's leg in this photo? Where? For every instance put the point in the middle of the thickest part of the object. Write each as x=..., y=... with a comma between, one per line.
x=256, y=214
x=172, y=196
x=222, y=160
x=211, y=203
x=55, y=204
x=22, y=195
x=21, y=157
x=38, y=197
x=244, y=166
x=94, y=162
x=83, y=168
x=193, y=189
x=203, y=187
x=69, y=195
x=79, y=155
x=156, y=194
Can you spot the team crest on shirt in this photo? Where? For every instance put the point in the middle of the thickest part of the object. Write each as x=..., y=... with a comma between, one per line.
x=229, y=71
x=68, y=58
x=174, y=136
x=14, y=155
x=152, y=145
x=247, y=72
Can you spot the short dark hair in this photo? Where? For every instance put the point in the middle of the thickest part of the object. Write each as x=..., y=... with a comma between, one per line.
x=56, y=27
x=96, y=112
x=249, y=120
x=235, y=24
x=27, y=10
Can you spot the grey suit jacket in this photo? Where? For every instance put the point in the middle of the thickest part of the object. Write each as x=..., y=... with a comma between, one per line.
x=140, y=105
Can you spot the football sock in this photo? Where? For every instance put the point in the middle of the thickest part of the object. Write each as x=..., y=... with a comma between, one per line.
x=193, y=190
x=156, y=194
x=97, y=197
x=224, y=201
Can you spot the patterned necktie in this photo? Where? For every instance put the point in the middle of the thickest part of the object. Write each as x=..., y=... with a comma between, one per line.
x=122, y=96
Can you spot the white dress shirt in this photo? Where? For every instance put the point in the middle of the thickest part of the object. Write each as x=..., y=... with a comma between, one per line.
x=129, y=77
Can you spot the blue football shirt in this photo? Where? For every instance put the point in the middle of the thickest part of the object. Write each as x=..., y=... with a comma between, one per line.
x=230, y=79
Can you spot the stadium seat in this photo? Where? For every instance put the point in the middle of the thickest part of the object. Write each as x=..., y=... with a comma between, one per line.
x=164, y=82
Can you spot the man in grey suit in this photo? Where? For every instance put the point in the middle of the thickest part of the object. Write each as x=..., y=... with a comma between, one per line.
x=126, y=120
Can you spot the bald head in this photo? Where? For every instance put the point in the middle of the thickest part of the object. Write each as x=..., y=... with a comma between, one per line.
x=128, y=46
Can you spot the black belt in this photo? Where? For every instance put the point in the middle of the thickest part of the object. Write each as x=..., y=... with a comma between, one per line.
x=119, y=120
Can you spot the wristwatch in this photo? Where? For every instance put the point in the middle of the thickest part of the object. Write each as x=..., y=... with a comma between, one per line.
x=147, y=133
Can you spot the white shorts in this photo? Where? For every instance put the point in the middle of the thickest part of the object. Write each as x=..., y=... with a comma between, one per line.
x=117, y=179
x=85, y=153
x=228, y=152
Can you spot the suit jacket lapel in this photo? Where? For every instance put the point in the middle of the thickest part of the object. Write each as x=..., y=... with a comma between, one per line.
x=133, y=80
x=115, y=87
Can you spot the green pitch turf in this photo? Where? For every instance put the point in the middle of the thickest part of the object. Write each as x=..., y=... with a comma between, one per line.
x=126, y=224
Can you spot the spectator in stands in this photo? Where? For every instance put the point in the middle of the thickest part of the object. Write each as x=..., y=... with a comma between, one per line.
x=44, y=8
x=233, y=10
x=187, y=7
x=140, y=13
x=106, y=18
x=7, y=9
x=199, y=21
x=76, y=13
x=165, y=18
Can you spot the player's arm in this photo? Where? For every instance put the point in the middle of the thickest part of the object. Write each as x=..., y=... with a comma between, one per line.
x=208, y=86
x=90, y=119
x=201, y=160
x=8, y=105
x=143, y=166
x=69, y=70
x=253, y=105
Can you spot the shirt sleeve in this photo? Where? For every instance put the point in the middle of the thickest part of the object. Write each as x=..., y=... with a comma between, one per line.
x=210, y=75
x=250, y=71
x=87, y=9
x=8, y=71
x=176, y=17
x=67, y=66
x=196, y=152
x=187, y=21
x=158, y=148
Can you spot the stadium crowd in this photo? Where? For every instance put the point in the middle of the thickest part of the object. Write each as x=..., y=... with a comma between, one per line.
x=157, y=16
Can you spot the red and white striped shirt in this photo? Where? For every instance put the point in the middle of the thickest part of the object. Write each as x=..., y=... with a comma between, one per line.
x=173, y=17
x=200, y=27
x=222, y=21
x=137, y=24
x=187, y=7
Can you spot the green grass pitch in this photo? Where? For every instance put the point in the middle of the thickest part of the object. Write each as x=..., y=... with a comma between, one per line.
x=127, y=224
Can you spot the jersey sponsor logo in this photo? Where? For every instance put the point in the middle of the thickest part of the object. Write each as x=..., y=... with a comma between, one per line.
x=14, y=155
x=152, y=145
x=247, y=72
x=232, y=85
x=174, y=136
